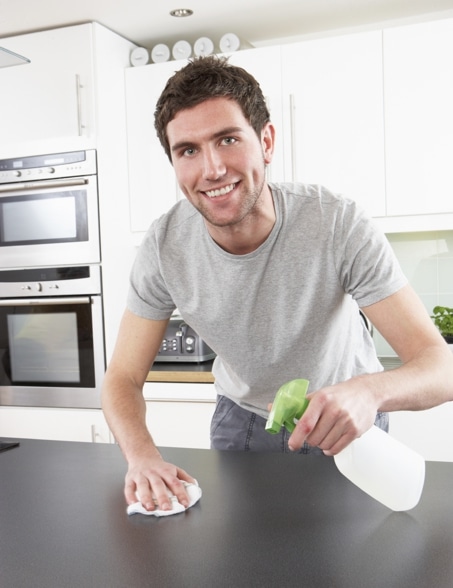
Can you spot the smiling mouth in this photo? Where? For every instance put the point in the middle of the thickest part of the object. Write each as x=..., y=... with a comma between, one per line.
x=221, y=191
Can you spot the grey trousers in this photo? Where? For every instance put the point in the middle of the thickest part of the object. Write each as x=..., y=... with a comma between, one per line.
x=236, y=429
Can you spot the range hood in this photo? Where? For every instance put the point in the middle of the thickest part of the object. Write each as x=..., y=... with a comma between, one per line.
x=8, y=58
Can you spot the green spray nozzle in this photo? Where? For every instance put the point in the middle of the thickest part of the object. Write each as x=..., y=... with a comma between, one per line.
x=290, y=403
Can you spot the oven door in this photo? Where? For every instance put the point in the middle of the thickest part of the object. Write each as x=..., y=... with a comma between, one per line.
x=51, y=352
x=49, y=223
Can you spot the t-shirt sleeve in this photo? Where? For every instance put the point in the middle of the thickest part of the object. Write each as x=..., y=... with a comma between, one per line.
x=367, y=266
x=148, y=296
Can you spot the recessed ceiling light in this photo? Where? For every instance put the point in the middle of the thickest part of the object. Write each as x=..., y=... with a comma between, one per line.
x=178, y=12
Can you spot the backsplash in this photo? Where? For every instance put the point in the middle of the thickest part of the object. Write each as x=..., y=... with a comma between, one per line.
x=427, y=260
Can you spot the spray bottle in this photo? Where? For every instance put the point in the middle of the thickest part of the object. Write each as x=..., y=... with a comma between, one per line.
x=378, y=464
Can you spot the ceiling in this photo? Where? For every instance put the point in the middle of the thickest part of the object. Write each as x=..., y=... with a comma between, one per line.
x=147, y=22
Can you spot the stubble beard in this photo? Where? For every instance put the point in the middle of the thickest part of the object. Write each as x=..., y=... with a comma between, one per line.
x=249, y=207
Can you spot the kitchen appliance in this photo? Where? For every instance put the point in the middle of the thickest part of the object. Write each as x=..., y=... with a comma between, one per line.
x=51, y=337
x=182, y=344
x=49, y=210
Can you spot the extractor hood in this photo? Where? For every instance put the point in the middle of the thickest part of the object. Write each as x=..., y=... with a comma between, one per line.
x=8, y=58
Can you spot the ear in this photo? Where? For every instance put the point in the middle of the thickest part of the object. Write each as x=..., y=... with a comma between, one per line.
x=267, y=142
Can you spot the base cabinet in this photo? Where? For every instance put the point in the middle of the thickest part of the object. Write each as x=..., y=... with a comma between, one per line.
x=179, y=415
x=54, y=424
x=180, y=424
x=429, y=432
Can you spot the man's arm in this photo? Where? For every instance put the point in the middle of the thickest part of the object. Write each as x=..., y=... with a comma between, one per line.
x=125, y=410
x=340, y=413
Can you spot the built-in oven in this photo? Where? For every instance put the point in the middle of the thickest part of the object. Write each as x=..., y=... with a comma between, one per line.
x=51, y=337
x=49, y=210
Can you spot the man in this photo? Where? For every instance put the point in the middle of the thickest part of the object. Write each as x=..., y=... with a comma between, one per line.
x=272, y=277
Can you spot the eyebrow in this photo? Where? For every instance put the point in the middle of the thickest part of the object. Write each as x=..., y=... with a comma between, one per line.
x=222, y=133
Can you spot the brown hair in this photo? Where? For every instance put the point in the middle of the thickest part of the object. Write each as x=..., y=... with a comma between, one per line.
x=209, y=77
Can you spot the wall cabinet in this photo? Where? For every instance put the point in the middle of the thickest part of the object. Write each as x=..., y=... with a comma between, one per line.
x=418, y=80
x=366, y=114
x=53, y=96
x=334, y=119
x=152, y=184
x=55, y=424
x=70, y=97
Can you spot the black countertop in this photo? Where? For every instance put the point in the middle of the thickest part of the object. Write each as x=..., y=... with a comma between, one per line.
x=264, y=520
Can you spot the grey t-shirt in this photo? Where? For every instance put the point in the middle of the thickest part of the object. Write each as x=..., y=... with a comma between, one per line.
x=287, y=310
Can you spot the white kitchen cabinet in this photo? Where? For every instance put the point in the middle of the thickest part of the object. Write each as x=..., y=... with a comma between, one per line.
x=152, y=184
x=418, y=79
x=333, y=114
x=53, y=96
x=429, y=432
x=55, y=424
x=179, y=414
x=180, y=424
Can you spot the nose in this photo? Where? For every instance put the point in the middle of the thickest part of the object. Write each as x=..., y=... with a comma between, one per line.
x=213, y=165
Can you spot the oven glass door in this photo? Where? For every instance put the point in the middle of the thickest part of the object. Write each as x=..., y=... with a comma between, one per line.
x=49, y=223
x=52, y=346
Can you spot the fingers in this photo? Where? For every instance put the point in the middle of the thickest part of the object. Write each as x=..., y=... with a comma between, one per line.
x=324, y=425
x=153, y=488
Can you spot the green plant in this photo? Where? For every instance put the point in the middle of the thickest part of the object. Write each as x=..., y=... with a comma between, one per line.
x=443, y=319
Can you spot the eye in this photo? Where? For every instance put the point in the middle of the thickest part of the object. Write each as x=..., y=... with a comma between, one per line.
x=189, y=152
x=229, y=140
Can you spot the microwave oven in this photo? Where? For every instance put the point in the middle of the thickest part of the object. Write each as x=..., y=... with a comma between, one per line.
x=49, y=210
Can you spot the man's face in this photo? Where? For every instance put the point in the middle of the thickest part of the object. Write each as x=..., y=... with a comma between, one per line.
x=219, y=160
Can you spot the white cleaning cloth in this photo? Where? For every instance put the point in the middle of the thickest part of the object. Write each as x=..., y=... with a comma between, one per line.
x=193, y=491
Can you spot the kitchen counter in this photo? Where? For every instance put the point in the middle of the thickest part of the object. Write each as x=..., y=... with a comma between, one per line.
x=263, y=520
x=182, y=372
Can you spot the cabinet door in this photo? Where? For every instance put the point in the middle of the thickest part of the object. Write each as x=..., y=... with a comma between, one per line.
x=180, y=424
x=334, y=116
x=152, y=183
x=50, y=98
x=54, y=424
x=418, y=77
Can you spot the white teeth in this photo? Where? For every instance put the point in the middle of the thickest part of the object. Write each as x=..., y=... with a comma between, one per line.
x=221, y=192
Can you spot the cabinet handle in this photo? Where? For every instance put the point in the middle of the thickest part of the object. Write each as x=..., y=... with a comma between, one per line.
x=292, y=128
x=79, y=88
x=94, y=435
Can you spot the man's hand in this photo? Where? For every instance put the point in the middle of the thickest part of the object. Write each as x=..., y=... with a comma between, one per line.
x=150, y=480
x=336, y=416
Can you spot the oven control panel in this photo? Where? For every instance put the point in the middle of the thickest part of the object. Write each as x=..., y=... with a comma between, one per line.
x=45, y=167
x=50, y=282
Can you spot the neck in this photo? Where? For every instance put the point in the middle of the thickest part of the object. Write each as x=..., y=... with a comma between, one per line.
x=247, y=235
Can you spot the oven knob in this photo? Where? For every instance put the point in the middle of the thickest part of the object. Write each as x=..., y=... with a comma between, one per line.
x=50, y=170
x=39, y=286
x=17, y=173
